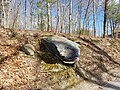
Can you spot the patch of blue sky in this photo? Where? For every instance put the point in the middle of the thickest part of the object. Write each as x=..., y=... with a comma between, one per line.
x=99, y=18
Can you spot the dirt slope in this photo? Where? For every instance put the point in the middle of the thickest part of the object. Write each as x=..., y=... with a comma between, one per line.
x=98, y=67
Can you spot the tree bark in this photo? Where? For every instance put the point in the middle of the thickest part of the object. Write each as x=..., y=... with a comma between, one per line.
x=16, y=12
x=31, y=14
x=86, y=13
x=94, y=18
x=58, y=17
x=40, y=15
x=25, y=11
x=70, y=17
x=51, y=19
x=105, y=19
x=79, y=16
x=48, y=16
x=4, y=14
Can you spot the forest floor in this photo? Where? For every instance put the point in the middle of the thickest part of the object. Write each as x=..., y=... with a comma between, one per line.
x=98, y=68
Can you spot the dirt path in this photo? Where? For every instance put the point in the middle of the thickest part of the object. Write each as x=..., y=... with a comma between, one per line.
x=114, y=84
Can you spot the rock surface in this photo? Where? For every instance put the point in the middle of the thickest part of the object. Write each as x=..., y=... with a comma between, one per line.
x=29, y=49
x=63, y=48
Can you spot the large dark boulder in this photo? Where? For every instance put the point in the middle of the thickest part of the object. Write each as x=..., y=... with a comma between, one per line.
x=66, y=50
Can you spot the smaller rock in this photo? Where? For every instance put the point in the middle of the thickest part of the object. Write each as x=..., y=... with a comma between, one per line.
x=108, y=44
x=29, y=49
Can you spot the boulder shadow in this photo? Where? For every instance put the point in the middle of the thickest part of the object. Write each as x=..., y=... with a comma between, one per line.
x=47, y=56
x=91, y=75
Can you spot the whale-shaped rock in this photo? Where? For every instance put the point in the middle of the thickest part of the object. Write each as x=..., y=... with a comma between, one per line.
x=63, y=48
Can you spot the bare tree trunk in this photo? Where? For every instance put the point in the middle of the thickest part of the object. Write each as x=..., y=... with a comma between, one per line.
x=46, y=23
x=58, y=17
x=111, y=28
x=51, y=18
x=94, y=18
x=34, y=24
x=7, y=14
x=86, y=13
x=87, y=21
x=63, y=19
x=40, y=16
x=117, y=31
x=107, y=28
x=25, y=11
x=70, y=17
x=105, y=19
x=16, y=11
x=79, y=16
x=4, y=14
x=48, y=16
x=31, y=14
x=113, y=25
